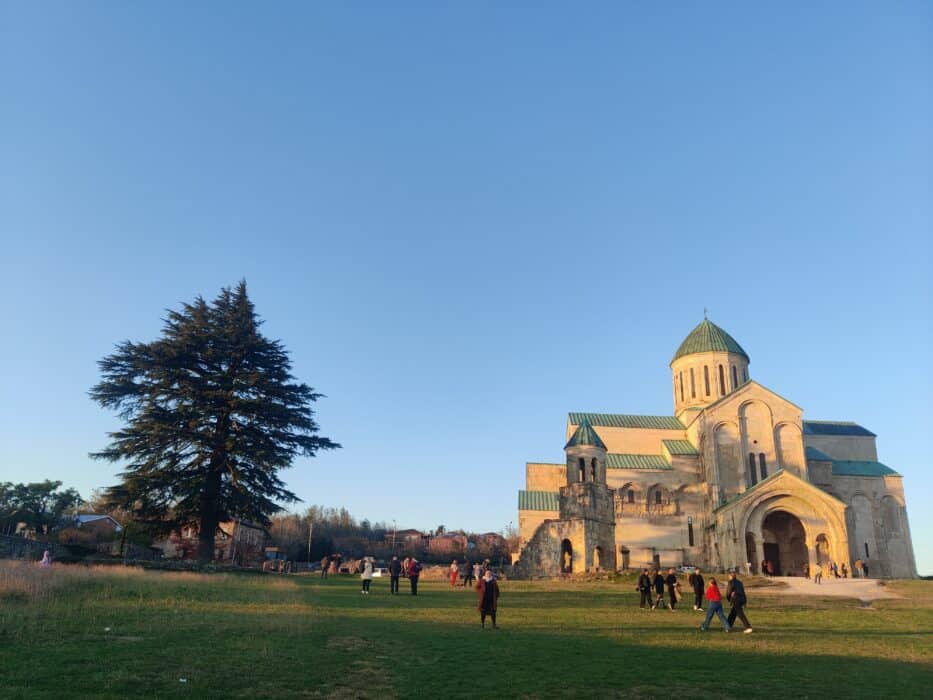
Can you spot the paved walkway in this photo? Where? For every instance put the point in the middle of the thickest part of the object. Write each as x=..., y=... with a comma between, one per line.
x=860, y=588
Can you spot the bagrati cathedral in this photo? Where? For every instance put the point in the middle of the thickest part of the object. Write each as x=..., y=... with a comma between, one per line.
x=734, y=478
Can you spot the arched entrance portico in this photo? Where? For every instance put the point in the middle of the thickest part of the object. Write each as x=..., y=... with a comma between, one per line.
x=784, y=543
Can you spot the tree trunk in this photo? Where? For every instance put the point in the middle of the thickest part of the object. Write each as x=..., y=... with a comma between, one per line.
x=207, y=527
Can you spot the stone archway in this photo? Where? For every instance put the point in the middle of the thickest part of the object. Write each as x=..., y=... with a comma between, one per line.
x=751, y=552
x=566, y=557
x=597, y=558
x=785, y=543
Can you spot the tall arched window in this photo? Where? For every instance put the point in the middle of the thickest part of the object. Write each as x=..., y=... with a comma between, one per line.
x=745, y=374
x=722, y=381
x=763, y=464
x=582, y=463
x=593, y=469
x=681, y=386
x=706, y=378
x=735, y=378
x=693, y=385
x=751, y=469
x=657, y=497
x=631, y=496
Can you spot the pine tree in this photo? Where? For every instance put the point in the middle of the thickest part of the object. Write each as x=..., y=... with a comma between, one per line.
x=212, y=413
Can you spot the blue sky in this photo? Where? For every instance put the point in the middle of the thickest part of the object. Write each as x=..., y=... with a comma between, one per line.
x=465, y=220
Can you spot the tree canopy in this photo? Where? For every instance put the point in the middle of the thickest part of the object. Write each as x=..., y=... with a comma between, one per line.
x=212, y=413
x=39, y=505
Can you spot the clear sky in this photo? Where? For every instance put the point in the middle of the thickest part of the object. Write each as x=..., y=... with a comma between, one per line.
x=465, y=220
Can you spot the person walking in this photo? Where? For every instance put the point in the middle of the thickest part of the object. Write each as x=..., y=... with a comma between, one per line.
x=672, y=585
x=325, y=565
x=865, y=567
x=714, y=607
x=857, y=569
x=414, y=573
x=770, y=568
x=454, y=570
x=658, y=583
x=735, y=594
x=818, y=574
x=406, y=562
x=395, y=570
x=696, y=580
x=477, y=571
x=835, y=570
x=488, y=589
x=468, y=577
x=644, y=587
x=367, y=575
x=844, y=570
x=46, y=562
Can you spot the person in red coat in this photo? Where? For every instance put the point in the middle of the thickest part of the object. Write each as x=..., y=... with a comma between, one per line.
x=488, y=601
x=714, y=606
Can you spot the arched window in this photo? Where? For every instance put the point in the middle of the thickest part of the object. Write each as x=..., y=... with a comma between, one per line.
x=722, y=381
x=657, y=497
x=745, y=374
x=735, y=378
x=752, y=480
x=706, y=378
x=582, y=463
x=593, y=470
x=681, y=386
x=690, y=533
x=693, y=385
x=763, y=464
x=631, y=496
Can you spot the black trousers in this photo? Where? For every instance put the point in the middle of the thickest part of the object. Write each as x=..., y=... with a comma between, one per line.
x=645, y=598
x=323, y=572
x=366, y=584
x=672, y=599
x=698, y=598
x=413, y=580
x=483, y=614
x=393, y=584
x=660, y=599
x=738, y=611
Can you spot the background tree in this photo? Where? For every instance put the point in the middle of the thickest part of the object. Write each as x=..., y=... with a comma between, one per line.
x=212, y=414
x=40, y=505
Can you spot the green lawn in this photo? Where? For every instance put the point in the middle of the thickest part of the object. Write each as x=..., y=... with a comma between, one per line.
x=122, y=634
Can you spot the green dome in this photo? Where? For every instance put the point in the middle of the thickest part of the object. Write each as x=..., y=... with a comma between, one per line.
x=585, y=436
x=708, y=337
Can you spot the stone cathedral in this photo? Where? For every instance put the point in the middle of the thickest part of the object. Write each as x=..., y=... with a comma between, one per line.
x=734, y=478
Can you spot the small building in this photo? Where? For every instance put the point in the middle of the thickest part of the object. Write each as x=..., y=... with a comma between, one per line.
x=239, y=542
x=449, y=543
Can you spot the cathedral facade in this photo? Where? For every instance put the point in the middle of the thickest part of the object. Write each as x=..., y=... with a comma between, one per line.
x=733, y=478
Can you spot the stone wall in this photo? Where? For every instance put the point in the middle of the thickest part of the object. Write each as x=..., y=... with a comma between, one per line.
x=12, y=547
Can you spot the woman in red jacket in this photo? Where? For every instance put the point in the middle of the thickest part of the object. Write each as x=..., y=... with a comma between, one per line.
x=714, y=606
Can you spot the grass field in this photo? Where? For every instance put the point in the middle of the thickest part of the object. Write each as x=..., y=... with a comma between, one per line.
x=73, y=632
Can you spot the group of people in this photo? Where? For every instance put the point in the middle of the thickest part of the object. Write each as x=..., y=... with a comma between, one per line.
x=653, y=588
x=467, y=572
x=859, y=570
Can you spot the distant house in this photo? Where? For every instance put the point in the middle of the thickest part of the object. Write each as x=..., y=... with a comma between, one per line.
x=493, y=540
x=239, y=542
x=448, y=543
x=405, y=537
x=103, y=526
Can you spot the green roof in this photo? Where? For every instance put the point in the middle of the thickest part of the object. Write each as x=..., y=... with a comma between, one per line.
x=708, y=337
x=680, y=447
x=625, y=461
x=835, y=427
x=624, y=420
x=813, y=453
x=845, y=467
x=585, y=435
x=538, y=500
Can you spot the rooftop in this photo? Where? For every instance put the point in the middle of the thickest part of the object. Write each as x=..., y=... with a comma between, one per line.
x=626, y=420
x=835, y=427
x=538, y=500
x=629, y=461
x=708, y=337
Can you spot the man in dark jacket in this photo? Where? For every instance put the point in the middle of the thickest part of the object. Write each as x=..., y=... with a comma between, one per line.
x=395, y=570
x=699, y=586
x=658, y=583
x=644, y=587
x=735, y=594
x=671, y=581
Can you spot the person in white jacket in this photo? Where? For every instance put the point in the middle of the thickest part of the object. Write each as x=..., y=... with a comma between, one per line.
x=367, y=575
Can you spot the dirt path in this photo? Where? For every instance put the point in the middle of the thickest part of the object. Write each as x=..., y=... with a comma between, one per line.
x=860, y=588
